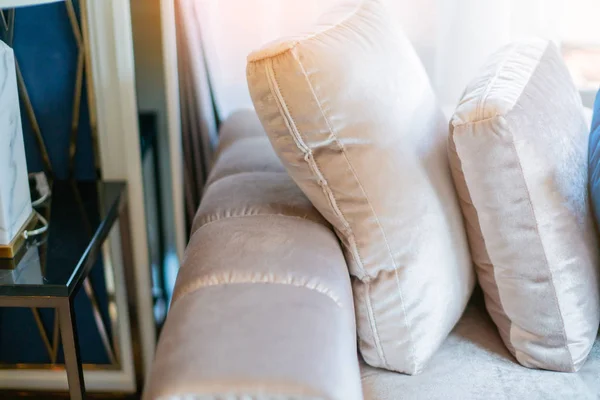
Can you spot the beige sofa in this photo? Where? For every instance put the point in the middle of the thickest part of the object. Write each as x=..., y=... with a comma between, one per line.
x=263, y=307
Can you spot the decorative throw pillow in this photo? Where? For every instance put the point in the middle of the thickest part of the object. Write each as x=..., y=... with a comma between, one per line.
x=594, y=160
x=518, y=151
x=350, y=111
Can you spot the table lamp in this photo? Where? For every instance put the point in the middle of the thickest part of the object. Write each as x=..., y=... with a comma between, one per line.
x=16, y=212
x=17, y=217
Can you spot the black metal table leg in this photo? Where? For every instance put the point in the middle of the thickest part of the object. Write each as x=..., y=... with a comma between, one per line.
x=68, y=329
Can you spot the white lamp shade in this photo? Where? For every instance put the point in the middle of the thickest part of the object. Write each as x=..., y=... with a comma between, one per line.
x=23, y=3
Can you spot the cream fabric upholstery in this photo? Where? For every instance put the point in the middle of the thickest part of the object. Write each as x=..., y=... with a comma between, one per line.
x=519, y=157
x=242, y=124
x=349, y=110
x=246, y=155
x=262, y=307
x=256, y=193
x=252, y=153
x=474, y=364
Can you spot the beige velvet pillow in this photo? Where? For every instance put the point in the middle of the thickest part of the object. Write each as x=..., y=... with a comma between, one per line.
x=518, y=151
x=351, y=113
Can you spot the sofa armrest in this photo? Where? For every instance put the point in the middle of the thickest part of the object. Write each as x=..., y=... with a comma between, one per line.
x=263, y=305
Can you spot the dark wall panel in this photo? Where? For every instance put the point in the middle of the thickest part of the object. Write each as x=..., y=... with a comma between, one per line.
x=46, y=50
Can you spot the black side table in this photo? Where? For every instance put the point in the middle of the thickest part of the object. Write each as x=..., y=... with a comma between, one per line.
x=67, y=265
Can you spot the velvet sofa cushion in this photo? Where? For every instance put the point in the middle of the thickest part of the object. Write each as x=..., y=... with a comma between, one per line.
x=350, y=111
x=262, y=307
x=518, y=151
x=474, y=364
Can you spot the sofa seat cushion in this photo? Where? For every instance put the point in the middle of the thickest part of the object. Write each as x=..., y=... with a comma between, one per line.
x=473, y=363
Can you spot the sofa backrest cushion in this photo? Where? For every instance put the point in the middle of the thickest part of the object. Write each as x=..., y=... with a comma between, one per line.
x=350, y=112
x=518, y=150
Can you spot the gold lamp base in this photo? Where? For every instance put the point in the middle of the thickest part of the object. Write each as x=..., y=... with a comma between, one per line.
x=12, y=251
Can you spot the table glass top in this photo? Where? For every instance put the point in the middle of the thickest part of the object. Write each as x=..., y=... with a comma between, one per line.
x=80, y=216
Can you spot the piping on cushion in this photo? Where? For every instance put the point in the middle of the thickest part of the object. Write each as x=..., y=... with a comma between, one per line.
x=237, y=278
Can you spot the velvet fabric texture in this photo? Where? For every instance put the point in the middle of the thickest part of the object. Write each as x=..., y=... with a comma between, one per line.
x=350, y=112
x=262, y=307
x=518, y=151
x=474, y=364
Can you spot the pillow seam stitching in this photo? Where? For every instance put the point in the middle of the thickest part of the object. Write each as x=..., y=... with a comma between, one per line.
x=247, y=279
x=490, y=86
x=308, y=156
x=334, y=136
x=516, y=47
x=218, y=219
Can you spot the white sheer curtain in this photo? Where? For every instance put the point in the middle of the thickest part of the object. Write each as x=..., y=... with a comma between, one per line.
x=453, y=37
